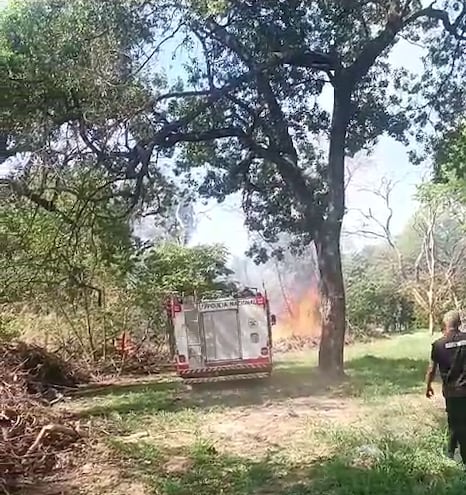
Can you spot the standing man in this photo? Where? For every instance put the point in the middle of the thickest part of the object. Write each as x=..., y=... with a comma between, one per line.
x=449, y=355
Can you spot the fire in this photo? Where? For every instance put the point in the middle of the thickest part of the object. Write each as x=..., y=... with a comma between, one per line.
x=302, y=319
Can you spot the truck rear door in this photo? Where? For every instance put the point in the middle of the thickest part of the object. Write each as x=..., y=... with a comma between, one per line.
x=222, y=335
x=254, y=330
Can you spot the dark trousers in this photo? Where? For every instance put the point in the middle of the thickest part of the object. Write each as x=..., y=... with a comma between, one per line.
x=456, y=414
x=452, y=443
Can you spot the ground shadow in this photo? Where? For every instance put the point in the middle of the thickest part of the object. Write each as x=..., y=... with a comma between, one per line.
x=369, y=376
x=126, y=386
x=138, y=399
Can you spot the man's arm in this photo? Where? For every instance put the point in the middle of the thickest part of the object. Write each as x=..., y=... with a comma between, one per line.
x=430, y=377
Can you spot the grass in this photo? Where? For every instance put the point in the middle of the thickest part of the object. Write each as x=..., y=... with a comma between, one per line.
x=387, y=466
x=297, y=434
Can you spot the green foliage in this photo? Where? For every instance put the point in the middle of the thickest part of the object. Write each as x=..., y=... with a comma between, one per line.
x=62, y=250
x=209, y=7
x=451, y=154
x=77, y=105
x=171, y=268
x=8, y=329
x=60, y=264
x=74, y=82
x=84, y=281
x=85, y=72
x=376, y=300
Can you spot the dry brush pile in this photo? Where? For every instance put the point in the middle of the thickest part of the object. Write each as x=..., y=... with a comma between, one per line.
x=298, y=343
x=33, y=437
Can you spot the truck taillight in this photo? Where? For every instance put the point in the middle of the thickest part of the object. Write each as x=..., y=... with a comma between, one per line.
x=173, y=307
x=260, y=299
x=182, y=359
x=265, y=351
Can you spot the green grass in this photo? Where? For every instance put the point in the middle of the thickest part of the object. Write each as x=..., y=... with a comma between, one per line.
x=388, y=439
x=391, y=366
x=386, y=467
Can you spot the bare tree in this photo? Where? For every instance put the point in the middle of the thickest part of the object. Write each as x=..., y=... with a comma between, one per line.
x=432, y=271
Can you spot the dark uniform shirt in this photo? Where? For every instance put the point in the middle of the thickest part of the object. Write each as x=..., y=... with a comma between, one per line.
x=449, y=353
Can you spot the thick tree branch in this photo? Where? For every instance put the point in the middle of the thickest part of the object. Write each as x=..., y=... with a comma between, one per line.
x=200, y=136
x=306, y=58
x=397, y=21
x=443, y=16
x=21, y=189
x=280, y=136
x=366, y=59
x=310, y=59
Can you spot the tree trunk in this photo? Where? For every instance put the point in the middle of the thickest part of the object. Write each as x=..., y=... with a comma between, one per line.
x=89, y=325
x=104, y=321
x=327, y=241
x=332, y=301
x=431, y=321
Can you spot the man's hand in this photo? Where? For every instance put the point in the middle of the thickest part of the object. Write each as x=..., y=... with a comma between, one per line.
x=430, y=392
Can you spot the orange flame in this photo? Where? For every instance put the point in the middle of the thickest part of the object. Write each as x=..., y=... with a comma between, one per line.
x=301, y=319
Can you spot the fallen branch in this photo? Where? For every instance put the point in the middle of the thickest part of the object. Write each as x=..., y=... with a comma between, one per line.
x=46, y=430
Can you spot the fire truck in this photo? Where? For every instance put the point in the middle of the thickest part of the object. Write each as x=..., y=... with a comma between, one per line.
x=222, y=339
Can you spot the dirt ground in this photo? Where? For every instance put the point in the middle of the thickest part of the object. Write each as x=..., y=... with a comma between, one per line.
x=251, y=430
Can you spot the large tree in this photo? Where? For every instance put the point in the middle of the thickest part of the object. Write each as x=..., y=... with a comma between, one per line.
x=266, y=134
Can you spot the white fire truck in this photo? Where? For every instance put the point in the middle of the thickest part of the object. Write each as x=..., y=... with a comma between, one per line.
x=222, y=339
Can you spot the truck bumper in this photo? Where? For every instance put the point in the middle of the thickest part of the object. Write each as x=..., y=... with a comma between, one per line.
x=227, y=378
x=227, y=370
